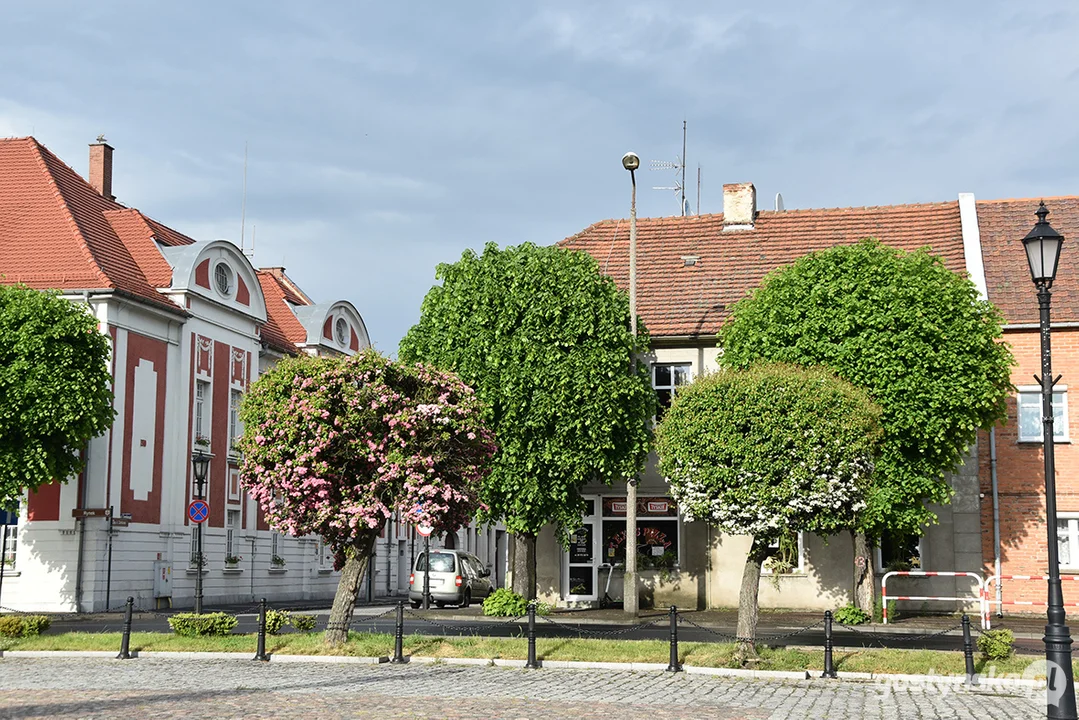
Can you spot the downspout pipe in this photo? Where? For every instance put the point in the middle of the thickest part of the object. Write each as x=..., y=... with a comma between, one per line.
x=996, y=517
x=82, y=503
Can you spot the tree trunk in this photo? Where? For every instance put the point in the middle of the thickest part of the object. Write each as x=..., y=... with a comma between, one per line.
x=524, y=565
x=864, y=585
x=748, y=607
x=344, y=601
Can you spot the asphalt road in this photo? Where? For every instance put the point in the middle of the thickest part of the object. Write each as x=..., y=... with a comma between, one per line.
x=659, y=630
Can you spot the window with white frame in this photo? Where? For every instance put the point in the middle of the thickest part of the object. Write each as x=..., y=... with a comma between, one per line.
x=193, y=556
x=9, y=539
x=1030, y=413
x=899, y=553
x=787, y=556
x=275, y=551
x=1068, y=540
x=235, y=426
x=232, y=533
x=666, y=379
x=202, y=412
x=325, y=555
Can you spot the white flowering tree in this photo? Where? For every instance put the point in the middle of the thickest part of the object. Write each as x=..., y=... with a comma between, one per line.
x=767, y=450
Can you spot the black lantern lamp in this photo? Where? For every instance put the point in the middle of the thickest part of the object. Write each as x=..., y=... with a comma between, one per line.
x=200, y=462
x=1043, y=245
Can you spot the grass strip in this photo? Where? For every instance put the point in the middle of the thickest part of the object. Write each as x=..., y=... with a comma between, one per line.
x=715, y=655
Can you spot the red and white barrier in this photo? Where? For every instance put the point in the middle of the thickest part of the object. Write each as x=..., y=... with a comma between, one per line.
x=979, y=597
x=988, y=600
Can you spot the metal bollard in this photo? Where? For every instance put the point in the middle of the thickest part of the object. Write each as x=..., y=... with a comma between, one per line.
x=674, y=665
x=968, y=653
x=532, y=636
x=399, y=635
x=125, y=642
x=829, y=666
x=260, y=653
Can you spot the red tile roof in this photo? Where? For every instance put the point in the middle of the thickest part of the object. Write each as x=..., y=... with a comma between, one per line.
x=677, y=300
x=57, y=231
x=1003, y=224
x=282, y=330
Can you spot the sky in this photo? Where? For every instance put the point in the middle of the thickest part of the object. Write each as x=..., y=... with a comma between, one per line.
x=385, y=138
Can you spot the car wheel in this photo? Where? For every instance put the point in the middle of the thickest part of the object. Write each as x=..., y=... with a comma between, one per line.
x=439, y=603
x=415, y=604
x=467, y=599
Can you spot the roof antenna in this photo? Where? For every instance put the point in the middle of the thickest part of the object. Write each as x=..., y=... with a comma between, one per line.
x=243, y=205
x=679, y=166
x=698, y=189
x=251, y=253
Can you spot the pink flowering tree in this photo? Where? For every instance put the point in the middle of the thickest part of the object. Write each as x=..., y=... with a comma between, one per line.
x=335, y=446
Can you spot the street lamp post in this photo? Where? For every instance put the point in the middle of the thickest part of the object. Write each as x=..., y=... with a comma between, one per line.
x=1042, y=245
x=631, y=162
x=200, y=463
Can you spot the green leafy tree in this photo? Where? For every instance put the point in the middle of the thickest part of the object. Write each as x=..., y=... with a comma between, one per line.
x=336, y=446
x=911, y=332
x=544, y=339
x=55, y=388
x=767, y=451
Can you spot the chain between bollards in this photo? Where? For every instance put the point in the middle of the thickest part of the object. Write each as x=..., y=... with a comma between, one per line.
x=399, y=634
x=829, y=665
x=125, y=642
x=532, y=636
x=260, y=653
x=674, y=665
x=968, y=653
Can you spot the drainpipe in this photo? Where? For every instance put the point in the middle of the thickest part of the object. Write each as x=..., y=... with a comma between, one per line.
x=82, y=504
x=390, y=525
x=996, y=516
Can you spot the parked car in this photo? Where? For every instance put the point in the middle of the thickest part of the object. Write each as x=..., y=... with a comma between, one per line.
x=457, y=578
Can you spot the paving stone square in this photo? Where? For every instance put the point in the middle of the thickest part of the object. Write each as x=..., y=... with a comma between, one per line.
x=163, y=687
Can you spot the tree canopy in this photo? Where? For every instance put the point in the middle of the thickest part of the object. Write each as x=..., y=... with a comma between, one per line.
x=55, y=388
x=911, y=332
x=768, y=450
x=336, y=446
x=544, y=339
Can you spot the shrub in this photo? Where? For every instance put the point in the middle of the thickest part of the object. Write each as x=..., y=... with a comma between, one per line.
x=893, y=613
x=191, y=625
x=277, y=619
x=304, y=623
x=850, y=615
x=996, y=644
x=503, y=602
x=23, y=625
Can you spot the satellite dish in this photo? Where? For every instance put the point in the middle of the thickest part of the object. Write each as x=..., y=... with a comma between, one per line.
x=779, y=202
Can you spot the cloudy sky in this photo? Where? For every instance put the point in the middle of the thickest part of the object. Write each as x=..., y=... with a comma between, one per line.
x=384, y=138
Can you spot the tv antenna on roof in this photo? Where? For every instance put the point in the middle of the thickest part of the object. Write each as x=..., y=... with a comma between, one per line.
x=679, y=166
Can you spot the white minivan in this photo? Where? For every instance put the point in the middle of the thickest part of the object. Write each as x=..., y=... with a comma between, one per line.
x=457, y=578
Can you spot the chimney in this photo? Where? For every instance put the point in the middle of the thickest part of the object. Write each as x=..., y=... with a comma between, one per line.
x=739, y=206
x=101, y=167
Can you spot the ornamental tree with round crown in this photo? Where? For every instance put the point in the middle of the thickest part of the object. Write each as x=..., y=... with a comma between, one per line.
x=768, y=450
x=335, y=446
x=911, y=332
x=544, y=338
x=55, y=388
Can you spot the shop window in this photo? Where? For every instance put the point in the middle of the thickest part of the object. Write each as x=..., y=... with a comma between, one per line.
x=666, y=379
x=657, y=532
x=899, y=553
x=1030, y=413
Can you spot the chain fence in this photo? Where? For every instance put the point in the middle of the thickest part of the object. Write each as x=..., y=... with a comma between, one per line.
x=726, y=637
x=897, y=637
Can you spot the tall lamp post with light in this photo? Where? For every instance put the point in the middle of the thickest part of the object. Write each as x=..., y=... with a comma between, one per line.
x=630, y=161
x=200, y=463
x=1042, y=245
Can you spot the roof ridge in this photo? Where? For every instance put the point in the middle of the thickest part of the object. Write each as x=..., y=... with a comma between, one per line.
x=1029, y=199
x=39, y=152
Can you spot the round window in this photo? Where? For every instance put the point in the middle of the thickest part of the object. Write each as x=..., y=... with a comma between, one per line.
x=223, y=278
x=340, y=328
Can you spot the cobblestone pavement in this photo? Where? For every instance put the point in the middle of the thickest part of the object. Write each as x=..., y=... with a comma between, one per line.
x=153, y=688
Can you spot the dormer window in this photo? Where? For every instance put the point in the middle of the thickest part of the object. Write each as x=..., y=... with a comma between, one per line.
x=223, y=278
x=340, y=329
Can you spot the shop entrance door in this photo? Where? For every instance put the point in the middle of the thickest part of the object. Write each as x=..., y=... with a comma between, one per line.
x=579, y=579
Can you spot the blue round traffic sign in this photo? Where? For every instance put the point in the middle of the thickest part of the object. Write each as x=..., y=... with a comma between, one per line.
x=198, y=511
